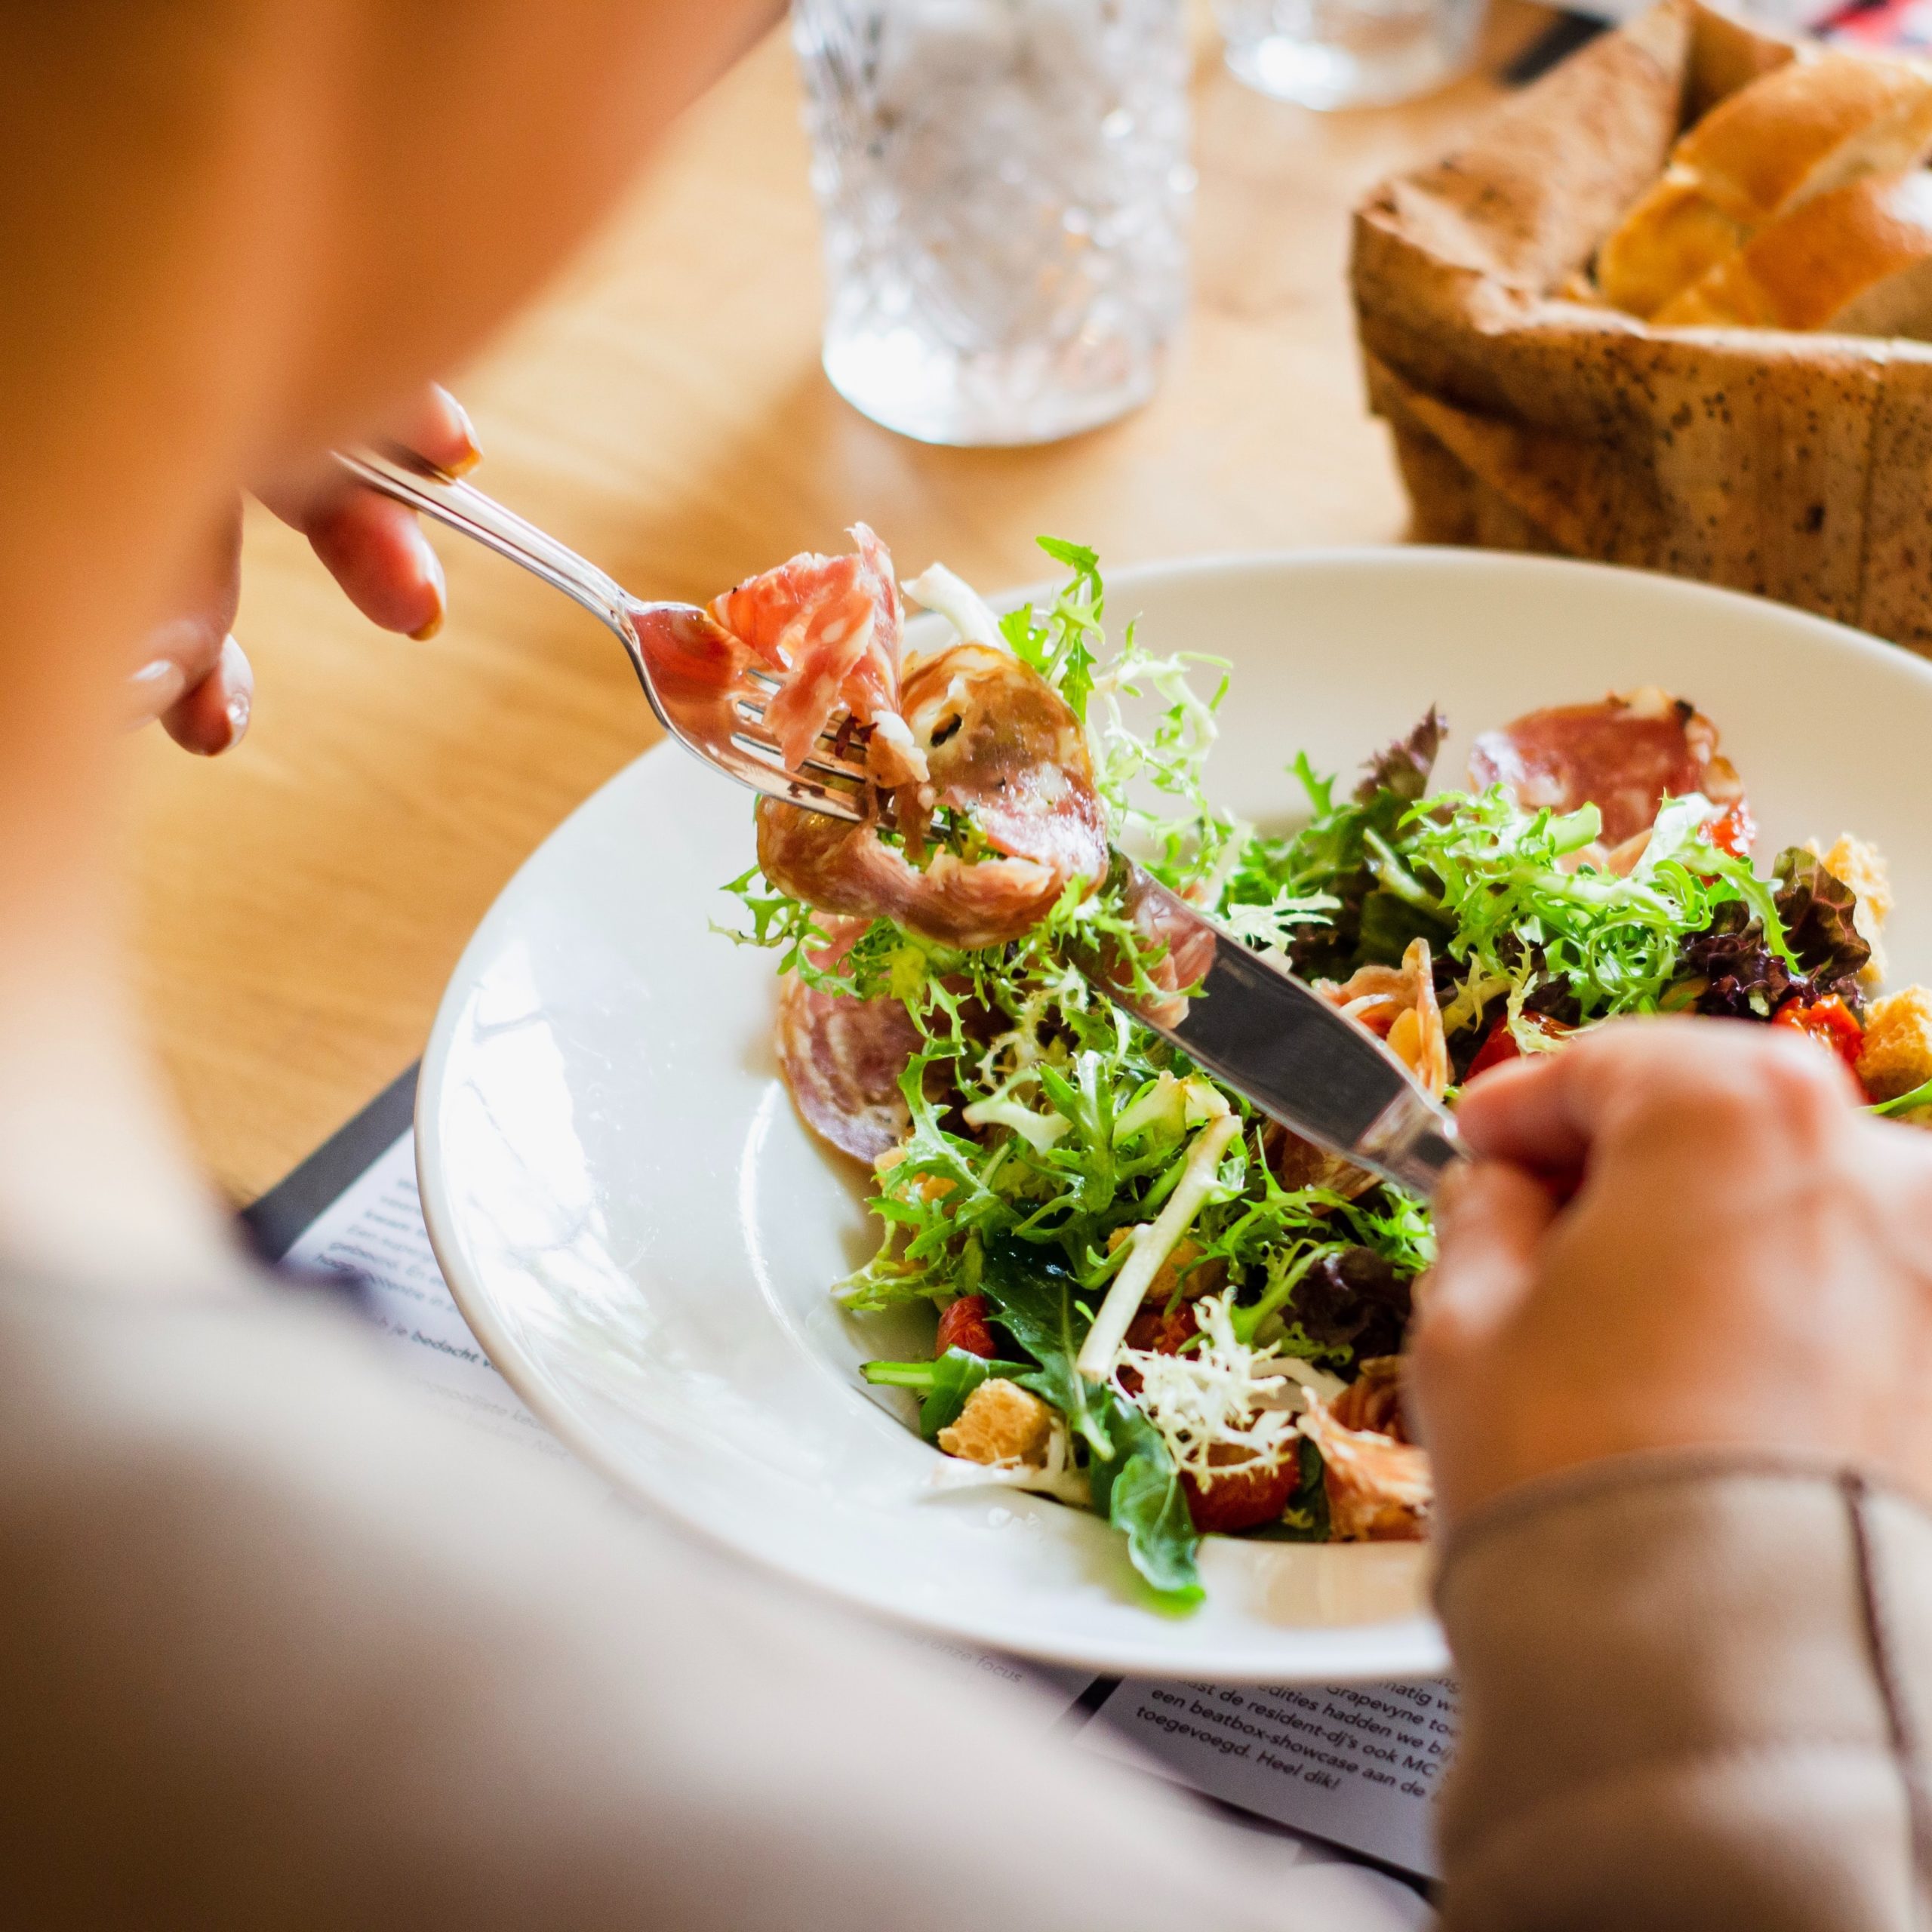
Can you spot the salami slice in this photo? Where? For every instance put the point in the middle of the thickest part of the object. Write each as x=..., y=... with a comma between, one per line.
x=1378, y=1486
x=842, y=1059
x=1625, y=755
x=1003, y=747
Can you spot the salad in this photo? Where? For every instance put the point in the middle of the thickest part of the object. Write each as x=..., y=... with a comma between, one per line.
x=1049, y=1175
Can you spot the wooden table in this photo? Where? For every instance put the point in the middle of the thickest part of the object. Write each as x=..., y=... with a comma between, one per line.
x=298, y=906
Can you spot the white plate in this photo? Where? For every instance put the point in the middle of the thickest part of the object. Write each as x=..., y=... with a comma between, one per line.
x=640, y=1232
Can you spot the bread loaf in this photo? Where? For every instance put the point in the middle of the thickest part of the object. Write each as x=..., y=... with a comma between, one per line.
x=1858, y=260
x=1808, y=128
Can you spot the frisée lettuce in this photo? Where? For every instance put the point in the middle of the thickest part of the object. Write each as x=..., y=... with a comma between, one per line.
x=1108, y=1209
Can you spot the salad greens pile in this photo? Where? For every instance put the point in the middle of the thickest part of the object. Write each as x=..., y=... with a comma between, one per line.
x=1045, y=1123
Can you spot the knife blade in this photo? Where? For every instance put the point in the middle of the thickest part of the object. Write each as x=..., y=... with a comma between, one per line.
x=1275, y=1040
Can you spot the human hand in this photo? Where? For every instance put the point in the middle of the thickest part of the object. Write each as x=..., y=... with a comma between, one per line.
x=196, y=677
x=1677, y=1234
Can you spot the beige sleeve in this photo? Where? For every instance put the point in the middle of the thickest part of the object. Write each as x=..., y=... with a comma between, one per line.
x=279, y=1649
x=1695, y=1693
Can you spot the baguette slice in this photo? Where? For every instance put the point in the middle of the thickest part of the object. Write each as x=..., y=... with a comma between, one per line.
x=1799, y=132
x=1856, y=259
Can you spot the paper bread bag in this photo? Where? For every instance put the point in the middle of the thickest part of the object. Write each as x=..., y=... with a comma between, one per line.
x=1798, y=466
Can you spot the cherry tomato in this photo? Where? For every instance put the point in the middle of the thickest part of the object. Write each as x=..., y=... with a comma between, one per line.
x=1501, y=1045
x=964, y=1326
x=1828, y=1021
x=1244, y=1500
x=1155, y=1331
x=1734, y=830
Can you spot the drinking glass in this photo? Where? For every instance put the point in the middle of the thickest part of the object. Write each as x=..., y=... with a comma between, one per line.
x=1349, y=53
x=1004, y=188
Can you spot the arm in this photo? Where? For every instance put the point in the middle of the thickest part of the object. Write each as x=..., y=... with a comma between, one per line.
x=284, y=1649
x=1680, y=1433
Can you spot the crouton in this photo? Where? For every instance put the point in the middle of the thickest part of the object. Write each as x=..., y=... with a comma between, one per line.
x=1178, y=1270
x=1001, y=1423
x=1897, y=1053
x=1853, y=863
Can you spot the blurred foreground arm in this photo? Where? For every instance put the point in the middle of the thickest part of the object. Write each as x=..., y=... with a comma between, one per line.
x=1681, y=1426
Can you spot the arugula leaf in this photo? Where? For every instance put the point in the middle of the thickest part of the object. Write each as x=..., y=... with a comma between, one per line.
x=1138, y=1489
x=943, y=1386
x=1386, y=925
x=1351, y=854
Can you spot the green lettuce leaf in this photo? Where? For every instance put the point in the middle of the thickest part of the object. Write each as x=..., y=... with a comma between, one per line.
x=943, y=1386
x=1136, y=1486
x=1034, y=1298
x=1138, y=1489
x=1905, y=1103
x=1064, y=647
x=1349, y=854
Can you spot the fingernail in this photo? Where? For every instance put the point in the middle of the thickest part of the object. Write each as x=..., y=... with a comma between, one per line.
x=155, y=687
x=432, y=569
x=472, y=453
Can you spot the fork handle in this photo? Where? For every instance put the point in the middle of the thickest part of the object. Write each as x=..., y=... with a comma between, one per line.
x=409, y=480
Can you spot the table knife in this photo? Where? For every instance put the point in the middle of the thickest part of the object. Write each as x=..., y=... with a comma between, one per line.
x=1275, y=1040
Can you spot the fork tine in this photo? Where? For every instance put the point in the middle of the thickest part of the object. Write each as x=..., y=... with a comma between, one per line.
x=818, y=797
x=768, y=753
x=755, y=707
x=839, y=763
x=758, y=765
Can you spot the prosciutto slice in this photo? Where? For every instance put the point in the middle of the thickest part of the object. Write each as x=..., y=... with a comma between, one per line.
x=1378, y=1486
x=831, y=627
x=842, y=1059
x=1625, y=755
x=1397, y=1005
x=1001, y=748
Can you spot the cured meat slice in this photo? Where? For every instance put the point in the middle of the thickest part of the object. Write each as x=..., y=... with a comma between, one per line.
x=832, y=628
x=1373, y=1401
x=1378, y=1484
x=1625, y=755
x=1397, y=1005
x=1003, y=749
x=842, y=1058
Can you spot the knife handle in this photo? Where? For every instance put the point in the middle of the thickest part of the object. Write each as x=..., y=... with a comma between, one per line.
x=1413, y=1142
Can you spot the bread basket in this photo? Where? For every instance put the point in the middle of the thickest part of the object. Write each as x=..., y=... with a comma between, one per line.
x=1529, y=416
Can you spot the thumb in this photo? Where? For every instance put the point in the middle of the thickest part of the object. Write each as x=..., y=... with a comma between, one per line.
x=1490, y=1221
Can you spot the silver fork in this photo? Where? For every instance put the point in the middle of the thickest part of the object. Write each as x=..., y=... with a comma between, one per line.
x=696, y=677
